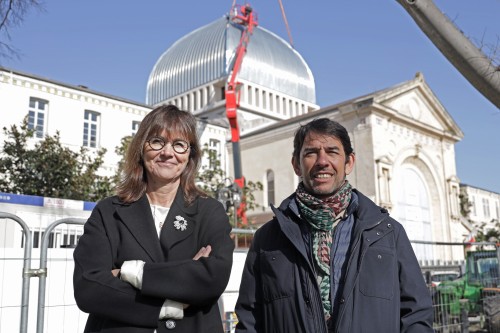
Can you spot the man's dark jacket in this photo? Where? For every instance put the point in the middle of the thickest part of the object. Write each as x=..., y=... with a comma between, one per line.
x=384, y=290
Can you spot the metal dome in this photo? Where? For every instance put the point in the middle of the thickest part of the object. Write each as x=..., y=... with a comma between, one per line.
x=205, y=54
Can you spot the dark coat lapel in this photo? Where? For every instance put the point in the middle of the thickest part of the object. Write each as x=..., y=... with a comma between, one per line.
x=138, y=219
x=178, y=215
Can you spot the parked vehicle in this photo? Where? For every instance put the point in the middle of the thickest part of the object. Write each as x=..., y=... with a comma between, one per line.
x=479, y=285
x=438, y=277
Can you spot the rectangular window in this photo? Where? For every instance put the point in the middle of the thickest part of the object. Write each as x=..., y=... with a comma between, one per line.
x=486, y=207
x=63, y=238
x=249, y=95
x=135, y=126
x=69, y=236
x=91, y=129
x=37, y=112
x=270, y=187
x=215, y=149
x=36, y=239
x=38, y=235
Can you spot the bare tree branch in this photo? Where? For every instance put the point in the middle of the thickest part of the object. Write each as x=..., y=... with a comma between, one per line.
x=6, y=14
x=481, y=71
x=12, y=13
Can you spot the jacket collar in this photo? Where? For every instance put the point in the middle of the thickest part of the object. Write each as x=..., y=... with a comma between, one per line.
x=367, y=214
x=179, y=213
x=287, y=216
x=138, y=219
x=360, y=206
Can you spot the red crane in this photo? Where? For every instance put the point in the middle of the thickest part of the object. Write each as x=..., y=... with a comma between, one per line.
x=243, y=18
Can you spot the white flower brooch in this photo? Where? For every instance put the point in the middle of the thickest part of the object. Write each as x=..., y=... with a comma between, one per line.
x=180, y=223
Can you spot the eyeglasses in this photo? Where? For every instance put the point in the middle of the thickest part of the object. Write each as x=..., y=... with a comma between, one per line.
x=158, y=143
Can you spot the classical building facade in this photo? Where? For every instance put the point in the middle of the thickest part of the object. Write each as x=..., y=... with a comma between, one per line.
x=403, y=136
x=82, y=116
x=404, y=140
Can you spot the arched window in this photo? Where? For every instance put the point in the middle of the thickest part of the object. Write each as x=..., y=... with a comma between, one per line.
x=413, y=209
x=270, y=186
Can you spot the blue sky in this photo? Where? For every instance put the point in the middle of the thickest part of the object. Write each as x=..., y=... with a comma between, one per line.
x=352, y=48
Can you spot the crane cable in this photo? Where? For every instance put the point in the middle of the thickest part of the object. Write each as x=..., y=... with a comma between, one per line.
x=286, y=22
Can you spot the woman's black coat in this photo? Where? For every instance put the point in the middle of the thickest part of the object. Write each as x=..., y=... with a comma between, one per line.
x=116, y=232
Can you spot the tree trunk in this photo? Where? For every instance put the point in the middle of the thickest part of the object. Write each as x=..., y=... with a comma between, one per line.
x=471, y=62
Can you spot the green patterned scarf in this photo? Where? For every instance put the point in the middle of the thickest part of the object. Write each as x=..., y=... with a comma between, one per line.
x=323, y=216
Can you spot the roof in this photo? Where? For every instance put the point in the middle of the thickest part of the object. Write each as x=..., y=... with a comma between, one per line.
x=378, y=98
x=205, y=55
x=72, y=86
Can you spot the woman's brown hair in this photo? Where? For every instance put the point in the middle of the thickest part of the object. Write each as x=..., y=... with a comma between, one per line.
x=170, y=119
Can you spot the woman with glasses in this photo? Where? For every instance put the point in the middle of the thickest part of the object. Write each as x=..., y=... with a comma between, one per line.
x=157, y=256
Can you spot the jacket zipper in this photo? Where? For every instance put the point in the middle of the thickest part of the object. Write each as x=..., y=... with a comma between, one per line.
x=358, y=240
x=318, y=303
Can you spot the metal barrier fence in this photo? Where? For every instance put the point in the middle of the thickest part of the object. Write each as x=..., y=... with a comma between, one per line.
x=451, y=314
x=26, y=270
x=457, y=309
x=61, y=303
x=40, y=272
x=468, y=301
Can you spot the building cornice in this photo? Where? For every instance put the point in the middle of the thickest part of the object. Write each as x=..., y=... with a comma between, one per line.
x=79, y=93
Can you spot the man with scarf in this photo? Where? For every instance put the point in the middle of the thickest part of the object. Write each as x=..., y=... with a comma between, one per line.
x=331, y=260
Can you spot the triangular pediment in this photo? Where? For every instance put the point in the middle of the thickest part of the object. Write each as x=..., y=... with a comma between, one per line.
x=414, y=101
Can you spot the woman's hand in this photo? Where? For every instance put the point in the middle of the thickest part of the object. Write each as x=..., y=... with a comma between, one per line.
x=203, y=252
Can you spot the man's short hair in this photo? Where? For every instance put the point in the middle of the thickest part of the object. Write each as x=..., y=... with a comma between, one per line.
x=323, y=126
